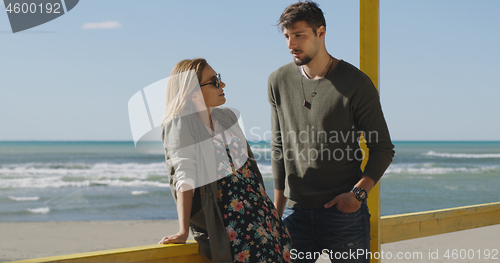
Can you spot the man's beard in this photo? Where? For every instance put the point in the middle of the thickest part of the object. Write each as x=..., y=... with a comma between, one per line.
x=304, y=61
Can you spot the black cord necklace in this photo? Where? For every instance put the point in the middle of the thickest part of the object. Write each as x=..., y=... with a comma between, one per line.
x=306, y=103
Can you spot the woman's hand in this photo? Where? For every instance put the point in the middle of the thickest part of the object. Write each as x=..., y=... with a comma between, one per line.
x=180, y=237
x=184, y=203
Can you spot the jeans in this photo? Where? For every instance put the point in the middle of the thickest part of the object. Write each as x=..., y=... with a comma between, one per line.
x=328, y=233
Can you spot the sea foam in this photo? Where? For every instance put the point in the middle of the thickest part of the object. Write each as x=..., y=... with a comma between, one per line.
x=41, y=210
x=139, y=192
x=435, y=168
x=47, y=175
x=464, y=155
x=24, y=198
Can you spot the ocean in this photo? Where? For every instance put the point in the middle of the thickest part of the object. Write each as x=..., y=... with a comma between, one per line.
x=74, y=181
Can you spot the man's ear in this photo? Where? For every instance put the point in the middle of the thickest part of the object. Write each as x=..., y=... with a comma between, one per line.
x=321, y=31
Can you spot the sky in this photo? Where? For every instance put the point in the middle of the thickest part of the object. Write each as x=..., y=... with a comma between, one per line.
x=71, y=78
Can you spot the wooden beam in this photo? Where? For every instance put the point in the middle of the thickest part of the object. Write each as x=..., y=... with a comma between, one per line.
x=414, y=225
x=369, y=39
x=369, y=64
x=175, y=253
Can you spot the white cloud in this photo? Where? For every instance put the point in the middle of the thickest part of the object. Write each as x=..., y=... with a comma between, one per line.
x=102, y=25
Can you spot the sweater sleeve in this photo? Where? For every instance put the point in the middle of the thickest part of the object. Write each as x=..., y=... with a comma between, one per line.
x=277, y=161
x=180, y=150
x=368, y=116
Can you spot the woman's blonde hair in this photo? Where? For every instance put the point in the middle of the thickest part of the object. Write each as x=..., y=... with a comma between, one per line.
x=181, y=84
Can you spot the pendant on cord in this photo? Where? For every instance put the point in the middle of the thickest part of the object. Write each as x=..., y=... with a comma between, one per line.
x=307, y=104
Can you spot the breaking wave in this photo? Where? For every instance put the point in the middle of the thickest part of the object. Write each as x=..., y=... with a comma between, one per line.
x=464, y=155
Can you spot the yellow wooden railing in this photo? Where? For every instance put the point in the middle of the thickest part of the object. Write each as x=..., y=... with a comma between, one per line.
x=392, y=228
x=414, y=225
x=173, y=253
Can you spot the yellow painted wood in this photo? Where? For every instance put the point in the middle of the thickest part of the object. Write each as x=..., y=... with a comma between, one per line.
x=374, y=207
x=369, y=64
x=197, y=258
x=369, y=39
x=414, y=225
x=178, y=253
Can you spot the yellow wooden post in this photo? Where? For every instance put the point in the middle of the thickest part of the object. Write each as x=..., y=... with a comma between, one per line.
x=369, y=64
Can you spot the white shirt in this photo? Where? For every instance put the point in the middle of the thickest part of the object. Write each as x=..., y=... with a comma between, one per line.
x=187, y=183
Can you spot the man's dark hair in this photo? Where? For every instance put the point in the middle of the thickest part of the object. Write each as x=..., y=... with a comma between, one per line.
x=302, y=11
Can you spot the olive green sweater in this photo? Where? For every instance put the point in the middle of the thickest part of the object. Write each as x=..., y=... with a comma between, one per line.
x=315, y=149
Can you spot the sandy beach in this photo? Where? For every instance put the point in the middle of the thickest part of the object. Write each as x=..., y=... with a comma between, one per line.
x=33, y=240
x=43, y=239
x=463, y=245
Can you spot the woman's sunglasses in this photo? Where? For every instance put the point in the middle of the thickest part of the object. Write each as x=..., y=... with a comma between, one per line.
x=216, y=83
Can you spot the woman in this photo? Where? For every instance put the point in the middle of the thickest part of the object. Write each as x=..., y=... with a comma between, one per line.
x=213, y=176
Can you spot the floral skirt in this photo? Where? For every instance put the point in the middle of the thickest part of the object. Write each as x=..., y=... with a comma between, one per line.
x=256, y=232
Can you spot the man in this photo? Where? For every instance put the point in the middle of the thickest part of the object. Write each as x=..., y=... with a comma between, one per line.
x=320, y=106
